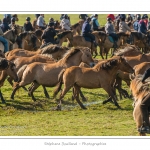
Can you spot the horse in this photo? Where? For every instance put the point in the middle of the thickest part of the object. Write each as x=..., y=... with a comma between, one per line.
x=47, y=74
x=141, y=68
x=129, y=51
x=76, y=28
x=102, y=75
x=56, y=52
x=6, y=68
x=139, y=91
x=107, y=44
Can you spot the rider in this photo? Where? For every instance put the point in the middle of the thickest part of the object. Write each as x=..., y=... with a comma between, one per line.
x=4, y=41
x=142, y=26
x=111, y=16
x=4, y=25
x=95, y=24
x=27, y=25
x=109, y=28
x=65, y=23
x=145, y=104
x=129, y=18
x=136, y=23
x=49, y=34
x=51, y=19
x=12, y=23
x=83, y=16
x=86, y=30
x=40, y=22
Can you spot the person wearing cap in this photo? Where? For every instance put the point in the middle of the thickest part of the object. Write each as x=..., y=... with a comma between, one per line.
x=83, y=16
x=123, y=27
x=12, y=24
x=95, y=24
x=40, y=22
x=51, y=19
x=49, y=34
x=86, y=31
x=129, y=18
x=142, y=26
x=111, y=16
x=109, y=29
x=65, y=23
x=4, y=26
x=136, y=23
x=27, y=25
x=4, y=41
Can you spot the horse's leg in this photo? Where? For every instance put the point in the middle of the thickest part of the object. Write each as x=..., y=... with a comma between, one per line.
x=101, y=52
x=2, y=98
x=34, y=87
x=45, y=92
x=14, y=91
x=82, y=96
x=77, y=90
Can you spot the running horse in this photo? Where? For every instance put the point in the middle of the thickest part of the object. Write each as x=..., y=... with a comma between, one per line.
x=102, y=75
x=139, y=91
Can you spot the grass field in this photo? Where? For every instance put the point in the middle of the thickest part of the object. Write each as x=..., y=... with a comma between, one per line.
x=23, y=117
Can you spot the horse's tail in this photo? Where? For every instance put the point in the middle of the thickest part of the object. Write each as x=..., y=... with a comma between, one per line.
x=20, y=72
x=59, y=85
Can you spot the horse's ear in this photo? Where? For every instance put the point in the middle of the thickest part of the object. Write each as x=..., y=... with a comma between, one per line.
x=131, y=76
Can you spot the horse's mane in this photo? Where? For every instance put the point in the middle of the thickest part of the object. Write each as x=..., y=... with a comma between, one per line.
x=120, y=52
x=107, y=65
x=138, y=35
x=138, y=87
x=52, y=49
x=62, y=34
x=3, y=63
x=23, y=35
x=71, y=52
x=38, y=32
x=121, y=34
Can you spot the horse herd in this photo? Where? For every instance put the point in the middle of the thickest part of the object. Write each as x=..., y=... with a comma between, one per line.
x=73, y=66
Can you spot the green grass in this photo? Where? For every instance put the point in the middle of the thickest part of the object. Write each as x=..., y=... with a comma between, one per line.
x=23, y=117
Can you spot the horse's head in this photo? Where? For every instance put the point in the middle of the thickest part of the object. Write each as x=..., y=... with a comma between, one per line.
x=87, y=56
x=124, y=66
x=11, y=71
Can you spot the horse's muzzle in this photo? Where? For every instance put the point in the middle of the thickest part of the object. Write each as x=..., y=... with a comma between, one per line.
x=92, y=64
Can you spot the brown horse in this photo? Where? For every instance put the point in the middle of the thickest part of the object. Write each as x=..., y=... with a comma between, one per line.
x=6, y=68
x=100, y=76
x=56, y=52
x=107, y=44
x=139, y=91
x=76, y=28
x=47, y=74
x=141, y=68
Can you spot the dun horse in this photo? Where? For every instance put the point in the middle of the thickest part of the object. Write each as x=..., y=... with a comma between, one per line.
x=47, y=74
x=100, y=76
x=139, y=91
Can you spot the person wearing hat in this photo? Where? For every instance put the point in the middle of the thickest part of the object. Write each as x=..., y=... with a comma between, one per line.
x=109, y=29
x=86, y=30
x=49, y=34
x=123, y=27
x=4, y=26
x=95, y=24
x=136, y=23
x=142, y=26
x=83, y=16
x=129, y=18
x=12, y=24
x=65, y=23
x=27, y=25
x=51, y=19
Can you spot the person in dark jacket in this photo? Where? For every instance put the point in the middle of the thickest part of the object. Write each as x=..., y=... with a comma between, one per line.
x=144, y=106
x=12, y=24
x=142, y=26
x=49, y=34
x=86, y=31
x=83, y=16
x=27, y=25
x=4, y=26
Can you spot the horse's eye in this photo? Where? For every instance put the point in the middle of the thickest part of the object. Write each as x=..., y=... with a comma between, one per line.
x=87, y=55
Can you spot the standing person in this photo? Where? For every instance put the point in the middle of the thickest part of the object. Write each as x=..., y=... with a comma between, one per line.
x=4, y=41
x=27, y=25
x=4, y=26
x=136, y=23
x=40, y=22
x=142, y=26
x=145, y=104
x=83, y=16
x=49, y=34
x=109, y=28
x=123, y=27
x=65, y=23
x=95, y=24
x=86, y=31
